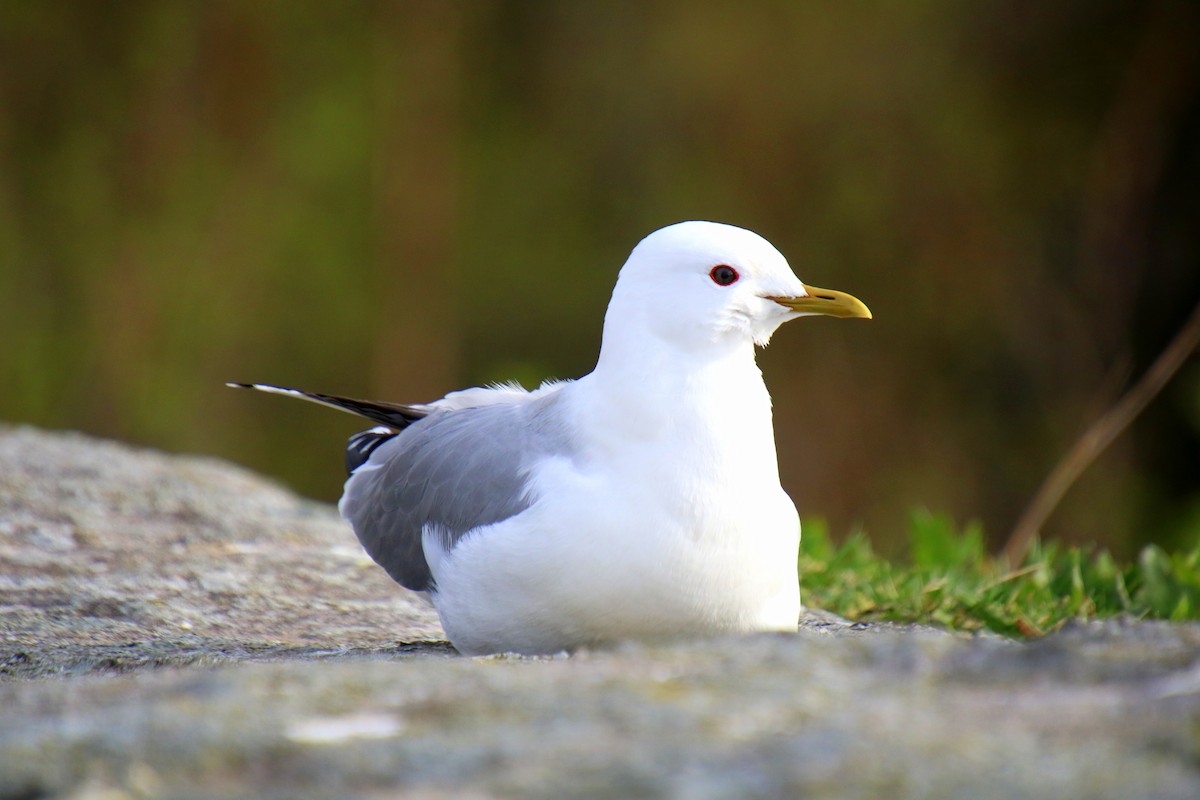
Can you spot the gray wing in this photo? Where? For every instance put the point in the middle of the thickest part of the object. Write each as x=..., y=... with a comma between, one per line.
x=457, y=470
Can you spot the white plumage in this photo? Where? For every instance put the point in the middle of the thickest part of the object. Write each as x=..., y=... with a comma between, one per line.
x=640, y=501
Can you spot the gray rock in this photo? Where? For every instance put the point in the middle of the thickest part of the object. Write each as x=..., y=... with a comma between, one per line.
x=116, y=557
x=174, y=627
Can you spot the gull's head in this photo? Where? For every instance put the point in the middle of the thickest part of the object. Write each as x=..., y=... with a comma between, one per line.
x=697, y=284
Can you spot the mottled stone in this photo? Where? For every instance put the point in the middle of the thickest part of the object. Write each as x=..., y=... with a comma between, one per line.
x=129, y=557
x=174, y=627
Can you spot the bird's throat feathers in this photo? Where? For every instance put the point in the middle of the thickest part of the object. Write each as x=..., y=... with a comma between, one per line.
x=706, y=405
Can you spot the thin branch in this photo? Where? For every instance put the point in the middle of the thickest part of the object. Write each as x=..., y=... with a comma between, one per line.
x=1100, y=435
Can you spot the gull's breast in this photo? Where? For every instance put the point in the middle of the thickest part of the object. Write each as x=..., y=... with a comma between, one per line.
x=630, y=549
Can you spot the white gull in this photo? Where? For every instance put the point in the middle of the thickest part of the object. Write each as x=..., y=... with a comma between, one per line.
x=640, y=501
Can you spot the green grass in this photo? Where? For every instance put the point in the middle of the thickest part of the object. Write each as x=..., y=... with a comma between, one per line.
x=951, y=581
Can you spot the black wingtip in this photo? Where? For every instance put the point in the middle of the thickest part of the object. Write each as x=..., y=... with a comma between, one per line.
x=362, y=444
x=393, y=415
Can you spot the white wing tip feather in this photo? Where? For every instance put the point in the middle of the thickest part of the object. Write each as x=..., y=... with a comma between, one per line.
x=266, y=387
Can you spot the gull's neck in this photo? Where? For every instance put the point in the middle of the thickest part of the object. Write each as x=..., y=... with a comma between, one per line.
x=708, y=402
x=640, y=366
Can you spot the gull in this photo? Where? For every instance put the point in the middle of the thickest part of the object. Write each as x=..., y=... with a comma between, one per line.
x=641, y=501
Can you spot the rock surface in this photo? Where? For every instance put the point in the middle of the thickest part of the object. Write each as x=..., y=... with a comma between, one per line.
x=175, y=627
x=102, y=545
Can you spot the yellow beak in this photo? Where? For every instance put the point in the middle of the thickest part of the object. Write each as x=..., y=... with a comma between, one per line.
x=829, y=302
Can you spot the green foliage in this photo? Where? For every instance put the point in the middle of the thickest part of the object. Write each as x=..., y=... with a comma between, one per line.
x=951, y=581
x=399, y=199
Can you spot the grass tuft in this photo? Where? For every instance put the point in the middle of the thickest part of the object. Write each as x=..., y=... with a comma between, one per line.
x=951, y=581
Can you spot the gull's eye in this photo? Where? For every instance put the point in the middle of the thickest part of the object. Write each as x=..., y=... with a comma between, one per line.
x=723, y=275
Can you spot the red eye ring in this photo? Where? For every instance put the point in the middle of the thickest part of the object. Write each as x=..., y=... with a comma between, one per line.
x=723, y=275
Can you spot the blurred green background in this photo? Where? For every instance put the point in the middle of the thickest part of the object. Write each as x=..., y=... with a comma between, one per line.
x=393, y=200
